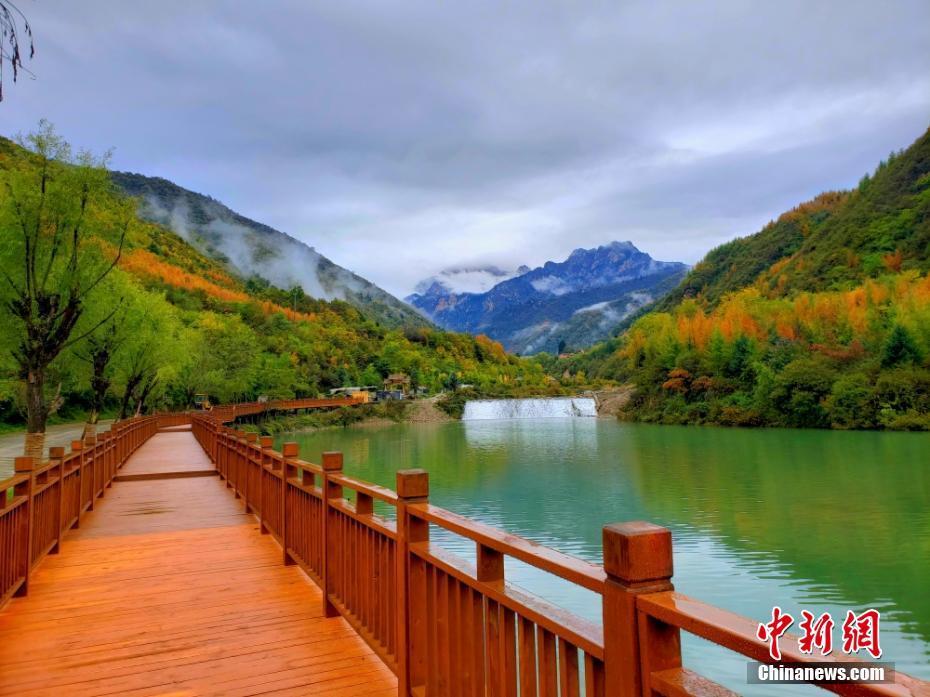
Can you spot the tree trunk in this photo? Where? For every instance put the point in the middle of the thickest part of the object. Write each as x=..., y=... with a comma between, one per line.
x=90, y=426
x=131, y=384
x=144, y=395
x=36, y=415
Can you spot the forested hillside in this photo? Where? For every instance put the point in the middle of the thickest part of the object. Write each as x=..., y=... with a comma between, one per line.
x=249, y=248
x=821, y=319
x=169, y=322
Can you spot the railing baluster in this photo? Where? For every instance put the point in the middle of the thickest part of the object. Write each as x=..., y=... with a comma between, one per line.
x=56, y=457
x=25, y=465
x=78, y=447
x=332, y=464
x=289, y=451
x=264, y=489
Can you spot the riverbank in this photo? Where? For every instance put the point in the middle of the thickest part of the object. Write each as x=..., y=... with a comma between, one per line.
x=609, y=402
x=365, y=415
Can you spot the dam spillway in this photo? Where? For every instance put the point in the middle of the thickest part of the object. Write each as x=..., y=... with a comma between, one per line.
x=539, y=408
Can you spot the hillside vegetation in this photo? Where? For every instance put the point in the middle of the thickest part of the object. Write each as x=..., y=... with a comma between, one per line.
x=821, y=319
x=185, y=324
x=249, y=248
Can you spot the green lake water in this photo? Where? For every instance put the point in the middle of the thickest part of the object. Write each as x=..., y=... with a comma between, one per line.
x=818, y=520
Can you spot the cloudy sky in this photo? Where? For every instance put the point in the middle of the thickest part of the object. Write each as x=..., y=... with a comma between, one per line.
x=399, y=138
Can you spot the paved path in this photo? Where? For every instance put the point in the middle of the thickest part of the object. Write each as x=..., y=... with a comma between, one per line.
x=168, y=588
x=11, y=444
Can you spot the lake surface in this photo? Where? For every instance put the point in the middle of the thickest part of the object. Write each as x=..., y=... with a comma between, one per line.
x=818, y=520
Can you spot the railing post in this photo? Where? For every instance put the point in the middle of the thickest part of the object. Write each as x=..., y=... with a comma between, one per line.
x=56, y=456
x=242, y=465
x=90, y=449
x=247, y=451
x=242, y=468
x=103, y=440
x=637, y=560
x=332, y=464
x=264, y=443
x=289, y=451
x=78, y=447
x=25, y=465
x=412, y=487
x=211, y=430
x=223, y=453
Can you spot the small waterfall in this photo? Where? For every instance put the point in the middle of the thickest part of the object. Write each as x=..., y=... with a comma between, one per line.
x=558, y=407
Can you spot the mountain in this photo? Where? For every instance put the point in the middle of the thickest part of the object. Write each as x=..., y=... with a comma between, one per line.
x=253, y=249
x=820, y=319
x=189, y=323
x=833, y=241
x=467, y=279
x=560, y=304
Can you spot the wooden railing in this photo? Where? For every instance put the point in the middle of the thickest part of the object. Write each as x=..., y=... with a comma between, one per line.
x=41, y=501
x=230, y=412
x=449, y=627
x=173, y=419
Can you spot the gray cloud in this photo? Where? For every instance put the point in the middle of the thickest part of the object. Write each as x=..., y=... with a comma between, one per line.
x=400, y=138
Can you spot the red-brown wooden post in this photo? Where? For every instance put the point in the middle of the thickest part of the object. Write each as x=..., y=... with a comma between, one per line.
x=490, y=570
x=243, y=467
x=231, y=459
x=103, y=442
x=332, y=464
x=412, y=487
x=25, y=465
x=289, y=452
x=262, y=461
x=221, y=453
x=78, y=447
x=638, y=560
x=251, y=439
x=119, y=443
x=56, y=456
x=90, y=454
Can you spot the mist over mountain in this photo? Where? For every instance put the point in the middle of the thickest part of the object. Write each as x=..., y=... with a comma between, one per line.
x=252, y=248
x=569, y=304
x=468, y=279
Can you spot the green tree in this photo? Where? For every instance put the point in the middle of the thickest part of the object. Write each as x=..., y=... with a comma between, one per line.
x=150, y=331
x=899, y=348
x=53, y=203
x=800, y=390
x=851, y=403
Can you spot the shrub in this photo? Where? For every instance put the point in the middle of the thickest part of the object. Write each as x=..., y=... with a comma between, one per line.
x=852, y=403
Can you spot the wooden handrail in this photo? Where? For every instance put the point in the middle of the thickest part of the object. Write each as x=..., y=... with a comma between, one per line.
x=583, y=573
x=230, y=412
x=43, y=500
x=447, y=626
x=738, y=634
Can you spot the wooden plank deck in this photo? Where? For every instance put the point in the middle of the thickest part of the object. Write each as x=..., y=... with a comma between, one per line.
x=168, y=588
x=173, y=452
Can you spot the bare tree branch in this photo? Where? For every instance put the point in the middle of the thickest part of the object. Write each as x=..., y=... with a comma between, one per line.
x=15, y=31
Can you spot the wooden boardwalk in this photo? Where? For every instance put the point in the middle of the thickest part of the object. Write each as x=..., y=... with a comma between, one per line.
x=168, y=588
x=176, y=454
